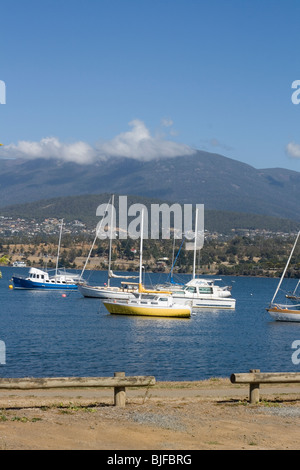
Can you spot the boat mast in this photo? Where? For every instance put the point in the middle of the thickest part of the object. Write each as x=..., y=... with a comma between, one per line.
x=173, y=254
x=286, y=266
x=58, y=250
x=110, y=239
x=195, y=243
x=141, y=250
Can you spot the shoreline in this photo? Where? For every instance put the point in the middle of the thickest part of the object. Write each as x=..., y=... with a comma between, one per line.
x=99, y=269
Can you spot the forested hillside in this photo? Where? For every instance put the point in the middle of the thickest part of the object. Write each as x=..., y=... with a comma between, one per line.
x=240, y=255
x=83, y=208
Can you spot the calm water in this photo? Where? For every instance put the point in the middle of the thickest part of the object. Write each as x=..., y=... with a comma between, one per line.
x=47, y=335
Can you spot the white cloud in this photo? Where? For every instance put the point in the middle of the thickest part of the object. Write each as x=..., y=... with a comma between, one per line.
x=137, y=143
x=166, y=122
x=50, y=147
x=293, y=150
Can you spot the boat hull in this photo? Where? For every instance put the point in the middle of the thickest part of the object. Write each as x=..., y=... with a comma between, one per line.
x=104, y=293
x=127, y=309
x=284, y=314
x=22, y=283
x=220, y=303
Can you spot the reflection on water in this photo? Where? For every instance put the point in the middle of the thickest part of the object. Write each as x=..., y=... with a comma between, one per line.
x=47, y=334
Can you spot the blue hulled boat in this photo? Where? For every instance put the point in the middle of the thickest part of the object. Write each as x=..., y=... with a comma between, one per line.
x=38, y=279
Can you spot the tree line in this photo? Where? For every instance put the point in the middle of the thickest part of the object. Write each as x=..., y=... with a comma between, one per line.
x=240, y=255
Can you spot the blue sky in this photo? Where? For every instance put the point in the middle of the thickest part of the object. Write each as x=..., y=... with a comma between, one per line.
x=91, y=77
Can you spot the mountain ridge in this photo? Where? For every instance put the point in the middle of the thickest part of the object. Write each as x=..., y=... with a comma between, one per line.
x=218, y=182
x=83, y=208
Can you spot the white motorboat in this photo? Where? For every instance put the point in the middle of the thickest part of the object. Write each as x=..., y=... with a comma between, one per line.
x=201, y=292
x=19, y=264
x=204, y=293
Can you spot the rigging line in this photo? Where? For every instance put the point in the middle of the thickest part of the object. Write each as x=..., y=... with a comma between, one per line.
x=294, y=292
x=93, y=244
x=286, y=266
x=171, y=271
x=58, y=249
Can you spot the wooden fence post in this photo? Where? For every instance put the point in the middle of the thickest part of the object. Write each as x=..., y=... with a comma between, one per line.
x=254, y=389
x=120, y=392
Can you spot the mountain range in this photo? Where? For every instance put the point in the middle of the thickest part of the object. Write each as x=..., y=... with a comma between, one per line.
x=218, y=182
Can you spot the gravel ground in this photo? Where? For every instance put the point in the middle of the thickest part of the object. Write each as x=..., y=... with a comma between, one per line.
x=158, y=420
x=283, y=410
x=208, y=415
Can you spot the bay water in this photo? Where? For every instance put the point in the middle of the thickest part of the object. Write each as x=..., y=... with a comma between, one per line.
x=52, y=334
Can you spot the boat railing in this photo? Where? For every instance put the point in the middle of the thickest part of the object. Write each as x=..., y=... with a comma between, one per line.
x=285, y=306
x=20, y=276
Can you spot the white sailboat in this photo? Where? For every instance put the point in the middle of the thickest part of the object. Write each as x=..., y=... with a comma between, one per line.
x=148, y=302
x=127, y=288
x=125, y=291
x=285, y=312
x=293, y=295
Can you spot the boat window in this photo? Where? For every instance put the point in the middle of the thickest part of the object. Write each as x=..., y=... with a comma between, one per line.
x=164, y=299
x=191, y=289
x=205, y=290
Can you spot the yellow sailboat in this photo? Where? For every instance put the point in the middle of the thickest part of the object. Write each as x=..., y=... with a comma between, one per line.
x=148, y=302
x=157, y=306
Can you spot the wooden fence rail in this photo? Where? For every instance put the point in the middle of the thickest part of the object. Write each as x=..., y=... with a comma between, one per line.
x=119, y=382
x=254, y=378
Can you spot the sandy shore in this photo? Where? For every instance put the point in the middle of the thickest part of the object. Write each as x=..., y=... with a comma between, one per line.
x=212, y=414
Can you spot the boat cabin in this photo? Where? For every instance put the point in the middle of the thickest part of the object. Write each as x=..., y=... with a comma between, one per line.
x=37, y=275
